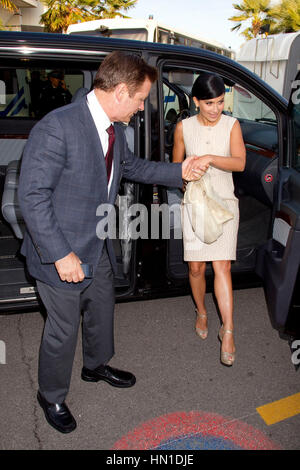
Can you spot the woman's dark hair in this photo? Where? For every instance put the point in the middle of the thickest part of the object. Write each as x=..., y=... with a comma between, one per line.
x=208, y=86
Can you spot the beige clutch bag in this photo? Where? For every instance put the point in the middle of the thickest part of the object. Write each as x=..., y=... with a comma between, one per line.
x=206, y=210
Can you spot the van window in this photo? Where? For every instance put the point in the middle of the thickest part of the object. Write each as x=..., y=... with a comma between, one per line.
x=239, y=102
x=32, y=92
x=245, y=105
x=258, y=121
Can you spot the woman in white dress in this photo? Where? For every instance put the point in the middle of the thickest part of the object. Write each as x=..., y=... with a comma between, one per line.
x=218, y=139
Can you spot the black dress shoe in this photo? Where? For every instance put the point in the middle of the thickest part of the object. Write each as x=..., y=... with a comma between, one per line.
x=115, y=377
x=58, y=416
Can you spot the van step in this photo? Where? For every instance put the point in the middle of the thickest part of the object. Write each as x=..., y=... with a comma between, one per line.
x=9, y=247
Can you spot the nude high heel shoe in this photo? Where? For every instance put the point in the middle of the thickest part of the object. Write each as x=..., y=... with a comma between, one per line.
x=202, y=333
x=226, y=358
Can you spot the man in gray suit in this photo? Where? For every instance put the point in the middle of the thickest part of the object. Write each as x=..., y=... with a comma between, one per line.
x=73, y=162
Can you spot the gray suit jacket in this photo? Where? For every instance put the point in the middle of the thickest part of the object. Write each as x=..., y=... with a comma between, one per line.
x=63, y=181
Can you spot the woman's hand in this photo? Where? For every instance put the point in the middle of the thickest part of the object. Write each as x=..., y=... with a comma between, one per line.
x=205, y=160
x=193, y=168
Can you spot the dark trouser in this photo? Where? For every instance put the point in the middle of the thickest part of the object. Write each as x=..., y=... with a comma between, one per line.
x=64, y=307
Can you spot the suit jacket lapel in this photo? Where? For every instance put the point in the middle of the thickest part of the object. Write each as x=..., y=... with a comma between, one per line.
x=93, y=140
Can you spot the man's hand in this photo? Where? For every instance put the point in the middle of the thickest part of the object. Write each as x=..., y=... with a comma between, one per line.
x=193, y=168
x=69, y=268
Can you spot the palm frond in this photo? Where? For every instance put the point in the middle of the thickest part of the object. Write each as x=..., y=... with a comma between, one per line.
x=254, y=11
x=61, y=14
x=8, y=5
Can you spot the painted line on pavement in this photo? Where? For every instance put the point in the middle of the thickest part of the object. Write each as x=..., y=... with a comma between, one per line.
x=281, y=409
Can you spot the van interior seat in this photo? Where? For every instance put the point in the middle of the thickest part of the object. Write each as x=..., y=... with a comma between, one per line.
x=12, y=213
x=10, y=206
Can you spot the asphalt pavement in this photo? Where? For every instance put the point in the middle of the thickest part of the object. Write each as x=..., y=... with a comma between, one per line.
x=184, y=398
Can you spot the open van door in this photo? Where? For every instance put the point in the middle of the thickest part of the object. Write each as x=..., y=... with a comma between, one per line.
x=279, y=259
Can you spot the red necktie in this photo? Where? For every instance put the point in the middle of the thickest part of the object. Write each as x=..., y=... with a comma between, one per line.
x=110, y=151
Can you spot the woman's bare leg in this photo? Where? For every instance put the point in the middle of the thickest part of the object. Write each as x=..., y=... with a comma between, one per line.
x=224, y=295
x=198, y=286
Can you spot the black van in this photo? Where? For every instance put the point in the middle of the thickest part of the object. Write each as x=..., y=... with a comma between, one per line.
x=152, y=265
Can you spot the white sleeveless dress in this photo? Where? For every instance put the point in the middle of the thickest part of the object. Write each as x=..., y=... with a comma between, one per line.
x=212, y=140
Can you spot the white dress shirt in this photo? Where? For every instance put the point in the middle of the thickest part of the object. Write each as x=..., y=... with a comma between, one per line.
x=102, y=122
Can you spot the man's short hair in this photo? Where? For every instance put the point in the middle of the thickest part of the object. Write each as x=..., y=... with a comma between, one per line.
x=121, y=67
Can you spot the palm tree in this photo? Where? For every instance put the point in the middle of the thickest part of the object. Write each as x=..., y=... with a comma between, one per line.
x=61, y=14
x=287, y=16
x=8, y=5
x=111, y=8
x=255, y=11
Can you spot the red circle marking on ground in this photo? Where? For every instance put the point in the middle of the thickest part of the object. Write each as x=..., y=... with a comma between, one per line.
x=195, y=430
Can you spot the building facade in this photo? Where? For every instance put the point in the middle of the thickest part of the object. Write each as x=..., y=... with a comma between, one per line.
x=26, y=18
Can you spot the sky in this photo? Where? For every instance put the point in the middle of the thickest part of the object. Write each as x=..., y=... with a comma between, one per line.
x=208, y=19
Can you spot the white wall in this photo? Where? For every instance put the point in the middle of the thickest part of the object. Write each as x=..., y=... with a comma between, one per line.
x=30, y=16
